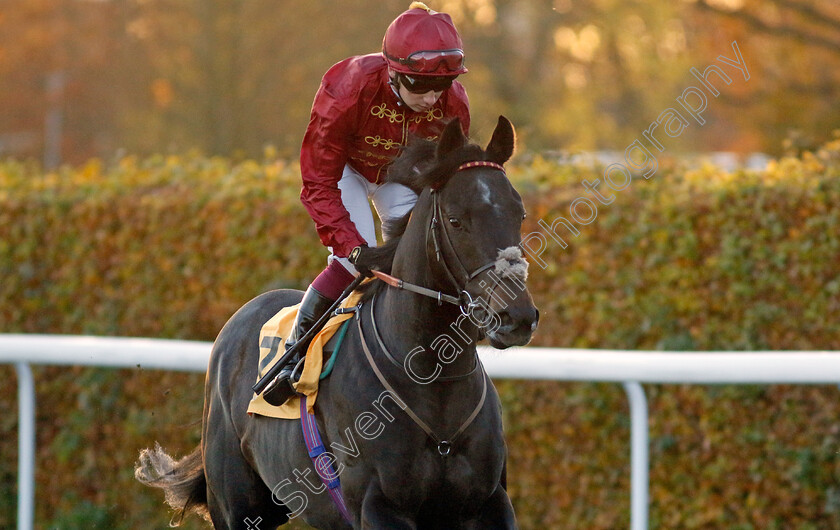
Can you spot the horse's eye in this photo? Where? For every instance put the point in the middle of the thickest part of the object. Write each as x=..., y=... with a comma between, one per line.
x=524, y=215
x=455, y=222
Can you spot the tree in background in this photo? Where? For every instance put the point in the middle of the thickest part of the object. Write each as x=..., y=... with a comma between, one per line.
x=796, y=50
x=229, y=77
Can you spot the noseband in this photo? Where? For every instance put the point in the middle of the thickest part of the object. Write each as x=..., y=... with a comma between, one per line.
x=465, y=300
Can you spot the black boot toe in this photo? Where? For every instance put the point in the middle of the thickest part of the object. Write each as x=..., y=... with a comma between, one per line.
x=280, y=390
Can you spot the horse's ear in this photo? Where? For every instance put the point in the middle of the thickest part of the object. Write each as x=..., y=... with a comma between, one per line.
x=451, y=139
x=500, y=148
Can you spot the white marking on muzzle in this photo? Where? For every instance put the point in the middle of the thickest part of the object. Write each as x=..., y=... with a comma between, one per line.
x=510, y=263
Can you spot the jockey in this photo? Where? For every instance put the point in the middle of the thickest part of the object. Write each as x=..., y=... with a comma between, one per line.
x=365, y=110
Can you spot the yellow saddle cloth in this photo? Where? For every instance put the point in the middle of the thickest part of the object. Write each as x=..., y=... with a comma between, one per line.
x=272, y=346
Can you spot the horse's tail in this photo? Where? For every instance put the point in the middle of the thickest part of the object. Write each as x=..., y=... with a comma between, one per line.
x=182, y=482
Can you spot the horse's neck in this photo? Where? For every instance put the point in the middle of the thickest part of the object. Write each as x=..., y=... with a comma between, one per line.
x=425, y=337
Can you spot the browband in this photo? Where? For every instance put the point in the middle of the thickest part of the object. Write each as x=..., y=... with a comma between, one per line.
x=470, y=165
x=480, y=163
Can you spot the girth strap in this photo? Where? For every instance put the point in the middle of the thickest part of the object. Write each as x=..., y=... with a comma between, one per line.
x=444, y=446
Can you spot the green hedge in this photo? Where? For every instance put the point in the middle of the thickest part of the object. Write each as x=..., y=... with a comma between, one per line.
x=701, y=259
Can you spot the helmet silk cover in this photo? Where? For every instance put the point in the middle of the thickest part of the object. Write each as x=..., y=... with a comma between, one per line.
x=424, y=42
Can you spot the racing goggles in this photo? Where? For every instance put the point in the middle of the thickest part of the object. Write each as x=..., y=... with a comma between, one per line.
x=433, y=61
x=423, y=84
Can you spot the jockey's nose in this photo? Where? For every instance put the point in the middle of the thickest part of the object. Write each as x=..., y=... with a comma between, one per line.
x=430, y=97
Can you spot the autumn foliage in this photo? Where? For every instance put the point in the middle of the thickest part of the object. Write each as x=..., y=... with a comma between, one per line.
x=691, y=259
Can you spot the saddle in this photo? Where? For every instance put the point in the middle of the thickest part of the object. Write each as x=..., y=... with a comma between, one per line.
x=323, y=346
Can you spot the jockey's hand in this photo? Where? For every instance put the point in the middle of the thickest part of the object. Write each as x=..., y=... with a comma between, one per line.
x=361, y=258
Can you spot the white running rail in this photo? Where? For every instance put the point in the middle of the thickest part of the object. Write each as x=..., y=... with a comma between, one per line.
x=630, y=368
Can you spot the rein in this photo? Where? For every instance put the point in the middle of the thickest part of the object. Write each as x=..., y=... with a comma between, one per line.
x=401, y=366
x=444, y=446
x=400, y=284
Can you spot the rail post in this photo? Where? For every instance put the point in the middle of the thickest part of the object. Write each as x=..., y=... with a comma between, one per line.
x=26, y=447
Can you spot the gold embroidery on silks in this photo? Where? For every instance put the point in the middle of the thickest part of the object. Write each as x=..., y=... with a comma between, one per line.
x=383, y=158
x=386, y=143
x=394, y=116
x=366, y=160
x=382, y=111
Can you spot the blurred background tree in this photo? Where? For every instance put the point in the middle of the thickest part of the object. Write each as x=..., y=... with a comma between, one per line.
x=231, y=76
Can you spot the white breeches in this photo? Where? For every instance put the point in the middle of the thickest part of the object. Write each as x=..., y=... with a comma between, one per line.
x=390, y=199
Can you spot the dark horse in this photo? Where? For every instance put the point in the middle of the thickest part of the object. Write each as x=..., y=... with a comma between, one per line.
x=428, y=452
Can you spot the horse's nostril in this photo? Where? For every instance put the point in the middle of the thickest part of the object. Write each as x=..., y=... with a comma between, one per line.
x=536, y=320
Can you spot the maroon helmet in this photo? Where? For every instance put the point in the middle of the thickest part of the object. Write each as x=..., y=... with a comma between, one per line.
x=422, y=42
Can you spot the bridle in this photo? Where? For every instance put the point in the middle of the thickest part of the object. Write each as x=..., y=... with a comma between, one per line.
x=438, y=236
x=442, y=243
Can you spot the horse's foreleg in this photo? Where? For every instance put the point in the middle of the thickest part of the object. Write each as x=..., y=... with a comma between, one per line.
x=379, y=512
x=497, y=512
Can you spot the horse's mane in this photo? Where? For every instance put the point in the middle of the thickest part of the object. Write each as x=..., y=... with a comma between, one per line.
x=419, y=166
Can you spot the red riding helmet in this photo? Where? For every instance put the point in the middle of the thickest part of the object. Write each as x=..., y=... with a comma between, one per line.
x=424, y=42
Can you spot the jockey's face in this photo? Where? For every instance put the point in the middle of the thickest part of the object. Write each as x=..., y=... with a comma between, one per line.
x=419, y=102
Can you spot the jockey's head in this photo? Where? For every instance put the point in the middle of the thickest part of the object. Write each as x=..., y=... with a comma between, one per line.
x=424, y=53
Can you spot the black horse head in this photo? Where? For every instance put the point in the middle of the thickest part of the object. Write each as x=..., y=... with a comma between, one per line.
x=466, y=228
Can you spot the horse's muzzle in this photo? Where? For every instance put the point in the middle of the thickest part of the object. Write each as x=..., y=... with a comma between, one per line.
x=517, y=327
